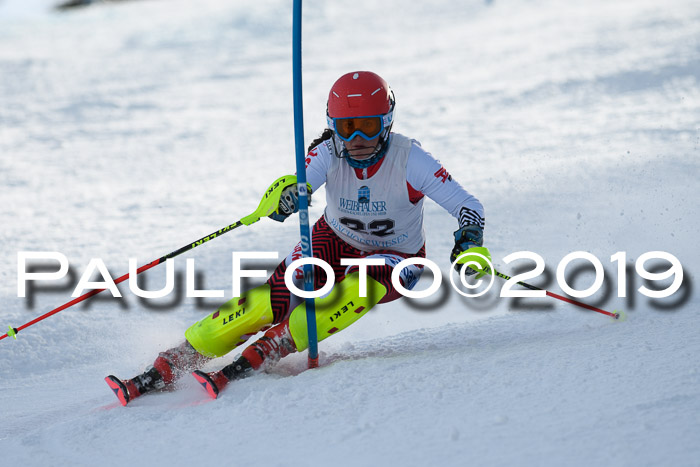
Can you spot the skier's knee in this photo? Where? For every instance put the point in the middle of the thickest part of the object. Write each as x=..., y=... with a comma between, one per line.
x=232, y=324
x=337, y=311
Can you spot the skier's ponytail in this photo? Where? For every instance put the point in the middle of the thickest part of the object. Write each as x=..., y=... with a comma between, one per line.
x=326, y=135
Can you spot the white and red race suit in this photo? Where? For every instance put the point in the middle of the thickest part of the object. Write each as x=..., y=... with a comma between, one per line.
x=381, y=207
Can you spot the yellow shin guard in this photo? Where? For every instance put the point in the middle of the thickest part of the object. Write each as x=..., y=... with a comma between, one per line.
x=337, y=311
x=232, y=324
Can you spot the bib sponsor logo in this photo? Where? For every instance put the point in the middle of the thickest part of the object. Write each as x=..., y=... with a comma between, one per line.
x=363, y=204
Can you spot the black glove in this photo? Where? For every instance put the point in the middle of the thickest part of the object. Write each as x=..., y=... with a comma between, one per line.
x=289, y=203
x=466, y=237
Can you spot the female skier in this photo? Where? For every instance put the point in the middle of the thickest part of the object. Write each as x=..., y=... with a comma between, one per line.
x=376, y=182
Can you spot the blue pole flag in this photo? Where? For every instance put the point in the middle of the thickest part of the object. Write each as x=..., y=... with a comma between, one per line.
x=306, y=249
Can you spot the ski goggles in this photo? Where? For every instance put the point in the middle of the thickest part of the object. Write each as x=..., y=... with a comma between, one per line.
x=366, y=127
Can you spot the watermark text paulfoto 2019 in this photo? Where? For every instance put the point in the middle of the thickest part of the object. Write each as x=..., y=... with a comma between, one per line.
x=670, y=276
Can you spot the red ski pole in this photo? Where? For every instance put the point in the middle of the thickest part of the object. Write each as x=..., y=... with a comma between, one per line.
x=615, y=314
x=268, y=205
x=13, y=331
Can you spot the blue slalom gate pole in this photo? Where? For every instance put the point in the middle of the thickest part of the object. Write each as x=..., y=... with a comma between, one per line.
x=306, y=250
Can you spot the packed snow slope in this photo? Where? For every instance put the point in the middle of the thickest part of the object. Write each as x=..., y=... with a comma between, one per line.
x=130, y=129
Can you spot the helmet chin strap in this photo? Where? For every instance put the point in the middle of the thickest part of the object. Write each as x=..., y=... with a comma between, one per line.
x=379, y=152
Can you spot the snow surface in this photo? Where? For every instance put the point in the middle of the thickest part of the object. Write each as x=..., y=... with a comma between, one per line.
x=130, y=129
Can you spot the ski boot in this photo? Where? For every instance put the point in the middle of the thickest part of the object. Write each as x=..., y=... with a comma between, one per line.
x=129, y=389
x=214, y=382
x=275, y=344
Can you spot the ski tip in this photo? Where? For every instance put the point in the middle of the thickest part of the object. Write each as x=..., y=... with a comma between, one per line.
x=207, y=383
x=119, y=389
x=619, y=315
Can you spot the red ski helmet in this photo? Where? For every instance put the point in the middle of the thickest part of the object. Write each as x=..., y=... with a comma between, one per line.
x=361, y=103
x=359, y=94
